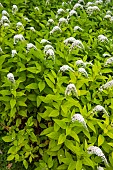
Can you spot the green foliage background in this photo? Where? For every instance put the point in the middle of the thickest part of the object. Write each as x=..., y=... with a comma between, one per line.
x=35, y=111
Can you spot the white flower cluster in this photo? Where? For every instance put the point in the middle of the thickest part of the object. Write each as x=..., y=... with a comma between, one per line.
x=14, y=9
x=5, y=13
x=30, y=45
x=77, y=28
x=97, y=151
x=50, y=21
x=106, y=86
x=44, y=41
x=19, y=25
x=18, y=37
x=1, y=5
x=62, y=21
x=102, y=38
x=49, y=51
x=37, y=8
x=32, y=29
x=78, y=44
x=98, y=2
x=78, y=5
x=83, y=71
x=71, y=89
x=71, y=13
x=109, y=61
x=89, y=4
x=10, y=77
x=106, y=55
x=100, y=168
x=55, y=28
x=99, y=108
x=69, y=40
x=14, y=52
x=65, y=68
x=78, y=117
x=92, y=9
x=5, y=19
x=107, y=16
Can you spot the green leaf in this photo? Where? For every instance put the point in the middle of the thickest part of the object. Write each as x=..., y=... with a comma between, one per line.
x=54, y=113
x=79, y=165
x=100, y=140
x=61, y=138
x=72, y=165
x=7, y=138
x=10, y=157
x=32, y=86
x=25, y=164
x=50, y=162
x=46, y=131
x=61, y=123
x=53, y=135
x=49, y=83
x=12, y=103
x=41, y=85
x=75, y=136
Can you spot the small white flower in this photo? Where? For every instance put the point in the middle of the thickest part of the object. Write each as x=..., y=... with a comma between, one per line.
x=97, y=151
x=102, y=38
x=78, y=117
x=89, y=4
x=19, y=25
x=72, y=12
x=83, y=71
x=56, y=28
x=69, y=40
x=91, y=9
x=63, y=20
x=111, y=19
x=30, y=45
x=108, y=16
x=6, y=25
x=80, y=63
x=81, y=1
x=47, y=47
x=71, y=89
x=100, y=168
x=88, y=63
x=109, y=61
x=50, y=53
x=98, y=2
x=60, y=11
x=106, y=86
x=99, y=108
x=18, y=37
x=44, y=41
x=106, y=55
x=50, y=21
x=77, y=5
x=78, y=44
x=4, y=19
x=47, y=2
x=14, y=52
x=32, y=29
x=37, y=8
x=5, y=13
x=14, y=9
x=77, y=28
x=108, y=12
x=65, y=68
x=10, y=77
x=26, y=19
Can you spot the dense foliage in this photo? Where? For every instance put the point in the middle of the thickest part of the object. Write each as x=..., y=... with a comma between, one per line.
x=57, y=117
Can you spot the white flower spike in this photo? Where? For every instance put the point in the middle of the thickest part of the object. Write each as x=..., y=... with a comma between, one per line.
x=100, y=168
x=14, y=9
x=44, y=41
x=4, y=19
x=78, y=44
x=10, y=77
x=55, y=29
x=83, y=71
x=63, y=21
x=78, y=117
x=106, y=86
x=47, y=47
x=69, y=40
x=18, y=37
x=29, y=46
x=102, y=38
x=99, y=108
x=19, y=25
x=65, y=68
x=109, y=61
x=97, y=151
x=50, y=53
x=32, y=29
x=77, y=28
x=5, y=13
x=14, y=52
x=71, y=89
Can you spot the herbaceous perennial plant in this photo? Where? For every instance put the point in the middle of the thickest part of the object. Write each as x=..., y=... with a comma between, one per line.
x=56, y=83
